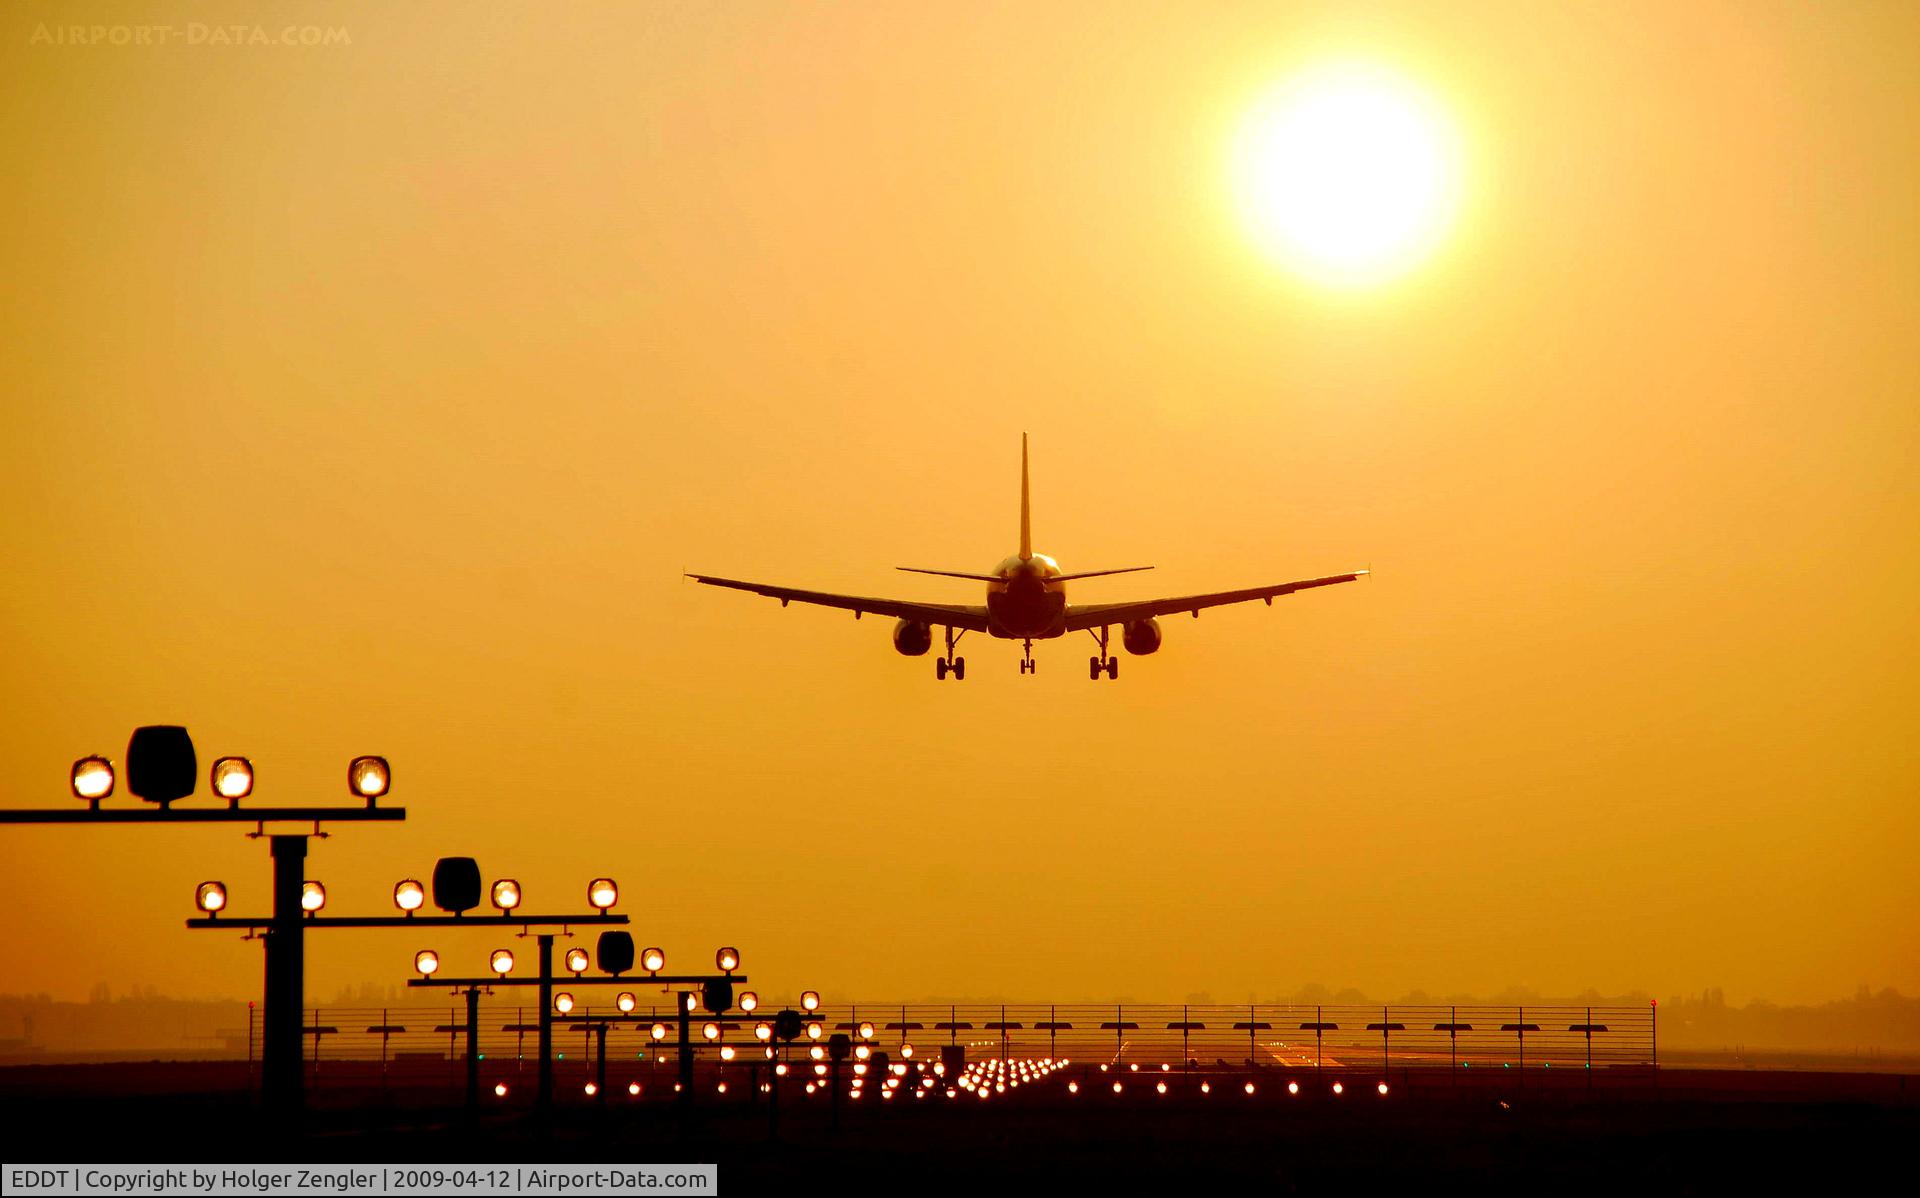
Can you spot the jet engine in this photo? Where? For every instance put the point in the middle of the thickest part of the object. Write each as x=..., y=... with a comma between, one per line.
x=1141, y=637
x=912, y=638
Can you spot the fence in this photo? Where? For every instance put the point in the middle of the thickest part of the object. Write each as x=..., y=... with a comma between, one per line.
x=1261, y=1035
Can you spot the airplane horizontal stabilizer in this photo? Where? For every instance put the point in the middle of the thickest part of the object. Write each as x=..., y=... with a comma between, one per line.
x=1098, y=573
x=951, y=574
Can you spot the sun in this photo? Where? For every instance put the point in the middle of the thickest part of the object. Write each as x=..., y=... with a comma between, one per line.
x=1348, y=174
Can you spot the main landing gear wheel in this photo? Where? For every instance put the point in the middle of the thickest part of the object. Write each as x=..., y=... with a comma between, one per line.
x=957, y=667
x=1101, y=662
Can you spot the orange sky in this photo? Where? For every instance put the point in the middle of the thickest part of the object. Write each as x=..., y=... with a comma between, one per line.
x=372, y=398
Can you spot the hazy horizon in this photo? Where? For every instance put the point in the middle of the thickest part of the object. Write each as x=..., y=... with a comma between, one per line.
x=373, y=397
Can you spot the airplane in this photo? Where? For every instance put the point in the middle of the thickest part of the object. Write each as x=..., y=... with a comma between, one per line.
x=1026, y=602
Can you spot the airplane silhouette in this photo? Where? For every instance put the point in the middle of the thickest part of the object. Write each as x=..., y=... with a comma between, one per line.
x=1026, y=602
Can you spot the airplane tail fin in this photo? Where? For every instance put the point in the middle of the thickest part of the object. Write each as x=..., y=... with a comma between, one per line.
x=1026, y=513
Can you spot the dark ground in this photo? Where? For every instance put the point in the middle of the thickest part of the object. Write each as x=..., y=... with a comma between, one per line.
x=1682, y=1131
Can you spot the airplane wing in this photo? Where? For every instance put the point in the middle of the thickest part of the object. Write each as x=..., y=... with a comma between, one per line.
x=1095, y=615
x=947, y=615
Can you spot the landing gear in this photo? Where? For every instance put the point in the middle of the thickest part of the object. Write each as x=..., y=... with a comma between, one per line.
x=1104, y=663
x=956, y=666
x=1027, y=664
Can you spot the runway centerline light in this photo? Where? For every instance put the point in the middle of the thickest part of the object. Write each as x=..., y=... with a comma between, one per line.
x=210, y=897
x=506, y=894
x=313, y=896
x=92, y=779
x=369, y=777
x=231, y=778
x=501, y=962
x=409, y=895
x=602, y=893
x=427, y=962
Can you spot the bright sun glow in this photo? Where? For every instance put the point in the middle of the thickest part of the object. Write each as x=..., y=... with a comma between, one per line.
x=1348, y=174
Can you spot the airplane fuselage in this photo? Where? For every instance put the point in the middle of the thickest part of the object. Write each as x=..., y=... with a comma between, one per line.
x=1027, y=601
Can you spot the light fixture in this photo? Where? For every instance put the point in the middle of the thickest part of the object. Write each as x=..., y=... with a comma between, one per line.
x=211, y=897
x=161, y=764
x=499, y=1089
x=633, y=1088
x=726, y=1052
x=506, y=894
x=906, y=1050
x=613, y=952
x=653, y=960
x=427, y=962
x=602, y=893
x=866, y=1029
x=313, y=896
x=409, y=895
x=658, y=1031
x=231, y=778
x=456, y=884
x=92, y=779
x=763, y=1031
x=591, y=1089
x=369, y=777
x=501, y=962
x=690, y=1001
x=711, y=1031
x=728, y=959
x=626, y=1002
x=810, y=999
x=563, y=1002
x=748, y=1002
x=577, y=961
x=862, y=1052
x=814, y=1030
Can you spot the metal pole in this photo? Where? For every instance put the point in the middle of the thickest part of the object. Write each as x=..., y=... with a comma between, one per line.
x=286, y=983
x=543, y=1101
x=686, y=1051
x=600, y=1065
x=473, y=1050
x=773, y=1093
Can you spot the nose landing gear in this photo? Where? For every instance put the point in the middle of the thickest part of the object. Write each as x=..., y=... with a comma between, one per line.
x=1027, y=664
x=1104, y=663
